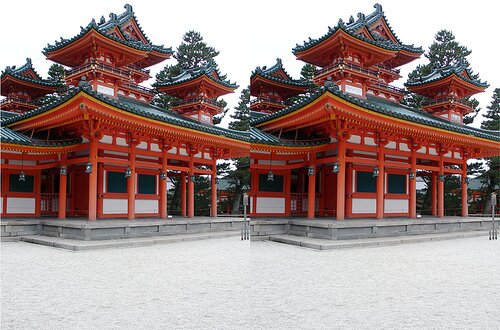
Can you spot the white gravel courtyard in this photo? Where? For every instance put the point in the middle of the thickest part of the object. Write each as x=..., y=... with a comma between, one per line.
x=227, y=283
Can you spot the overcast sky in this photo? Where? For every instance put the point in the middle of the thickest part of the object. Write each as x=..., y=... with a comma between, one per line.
x=254, y=33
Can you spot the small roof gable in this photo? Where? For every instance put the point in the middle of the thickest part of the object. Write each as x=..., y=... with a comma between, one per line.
x=278, y=73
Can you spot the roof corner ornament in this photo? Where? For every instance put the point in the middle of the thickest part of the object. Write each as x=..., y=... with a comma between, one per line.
x=83, y=83
x=102, y=20
x=128, y=8
x=361, y=17
x=341, y=22
x=28, y=60
x=112, y=17
x=378, y=8
x=351, y=19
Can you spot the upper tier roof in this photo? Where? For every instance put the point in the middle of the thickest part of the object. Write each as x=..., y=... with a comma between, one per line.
x=123, y=29
x=459, y=69
x=26, y=76
x=276, y=75
x=8, y=136
x=373, y=29
x=187, y=76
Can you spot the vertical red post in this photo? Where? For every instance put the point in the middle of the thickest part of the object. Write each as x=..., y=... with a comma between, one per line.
x=93, y=145
x=433, y=194
x=380, y=184
x=348, y=185
x=131, y=185
x=191, y=188
x=100, y=189
x=163, y=185
x=183, y=194
x=63, y=184
x=311, y=193
x=213, y=181
x=465, y=205
x=441, y=188
x=413, y=185
x=341, y=145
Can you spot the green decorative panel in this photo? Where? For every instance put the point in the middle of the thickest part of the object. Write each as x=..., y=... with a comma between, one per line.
x=396, y=184
x=21, y=186
x=116, y=182
x=146, y=184
x=365, y=182
x=271, y=186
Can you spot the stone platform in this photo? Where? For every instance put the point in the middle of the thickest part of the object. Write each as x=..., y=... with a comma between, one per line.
x=332, y=229
x=116, y=229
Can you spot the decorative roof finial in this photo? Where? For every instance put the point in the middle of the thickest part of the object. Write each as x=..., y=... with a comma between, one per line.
x=102, y=20
x=28, y=60
x=351, y=19
x=128, y=8
x=112, y=17
x=83, y=83
x=378, y=8
x=341, y=22
x=361, y=17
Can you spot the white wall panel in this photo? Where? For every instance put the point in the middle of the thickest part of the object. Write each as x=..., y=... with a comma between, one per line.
x=20, y=205
x=271, y=205
x=114, y=206
x=396, y=206
x=146, y=206
x=364, y=205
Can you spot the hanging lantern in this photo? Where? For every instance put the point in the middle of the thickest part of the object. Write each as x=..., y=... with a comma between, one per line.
x=412, y=175
x=191, y=177
x=310, y=171
x=63, y=171
x=336, y=167
x=163, y=175
x=270, y=176
x=22, y=176
x=128, y=172
x=467, y=180
x=88, y=168
x=441, y=178
x=376, y=171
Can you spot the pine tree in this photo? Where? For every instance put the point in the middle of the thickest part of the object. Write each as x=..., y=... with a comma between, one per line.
x=55, y=74
x=444, y=51
x=192, y=52
x=491, y=177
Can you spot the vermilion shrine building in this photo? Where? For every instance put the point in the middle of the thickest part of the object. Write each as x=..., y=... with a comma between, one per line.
x=100, y=150
x=349, y=148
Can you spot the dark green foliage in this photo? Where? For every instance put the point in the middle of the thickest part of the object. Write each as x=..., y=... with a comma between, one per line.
x=56, y=73
x=241, y=114
x=444, y=51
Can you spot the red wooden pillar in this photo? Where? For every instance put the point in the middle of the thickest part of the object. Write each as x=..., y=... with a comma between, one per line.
x=93, y=145
x=311, y=192
x=441, y=188
x=100, y=190
x=433, y=195
x=131, y=185
x=465, y=205
x=349, y=191
x=191, y=189
x=213, y=181
x=380, y=184
x=341, y=145
x=413, y=185
x=163, y=185
x=63, y=184
x=183, y=194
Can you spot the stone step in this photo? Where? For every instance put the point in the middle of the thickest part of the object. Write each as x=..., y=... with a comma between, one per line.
x=328, y=244
x=79, y=245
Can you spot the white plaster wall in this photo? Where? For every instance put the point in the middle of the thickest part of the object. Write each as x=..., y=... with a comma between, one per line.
x=23, y=162
x=198, y=155
x=271, y=205
x=391, y=145
x=20, y=205
x=155, y=147
x=448, y=154
x=143, y=145
x=354, y=139
x=206, y=155
x=106, y=139
x=353, y=90
x=370, y=141
x=403, y=147
x=275, y=162
x=422, y=150
x=396, y=206
x=364, y=205
x=457, y=155
x=432, y=151
x=182, y=152
x=121, y=141
x=114, y=206
x=105, y=90
x=173, y=150
x=146, y=206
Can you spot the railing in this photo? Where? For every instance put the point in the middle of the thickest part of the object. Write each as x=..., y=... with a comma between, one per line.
x=270, y=100
x=138, y=88
x=388, y=87
x=198, y=100
x=388, y=70
x=449, y=100
x=50, y=204
x=140, y=71
x=298, y=203
x=11, y=99
x=97, y=65
x=342, y=65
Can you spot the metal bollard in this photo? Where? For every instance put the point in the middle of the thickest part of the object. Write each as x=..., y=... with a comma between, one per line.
x=493, y=231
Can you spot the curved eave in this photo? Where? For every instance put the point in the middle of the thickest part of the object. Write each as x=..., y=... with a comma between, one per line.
x=258, y=79
x=8, y=146
x=42, y=86
x=451, y=78
x=331, y=42
x=219, y=86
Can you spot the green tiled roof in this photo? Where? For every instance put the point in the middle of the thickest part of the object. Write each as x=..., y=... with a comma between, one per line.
x=259, y=137
x=209, y=69
x=268, y=74
x=12, y=137
x=103, y=28
x=135, y=107
x=384, y=107
x=442, y=73
x=352, y=26
x=18, y=74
